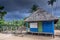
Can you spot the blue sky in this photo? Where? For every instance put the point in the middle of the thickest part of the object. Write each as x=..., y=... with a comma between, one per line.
x=18, y=9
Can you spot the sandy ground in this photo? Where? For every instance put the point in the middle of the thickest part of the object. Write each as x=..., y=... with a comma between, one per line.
x=29, y=37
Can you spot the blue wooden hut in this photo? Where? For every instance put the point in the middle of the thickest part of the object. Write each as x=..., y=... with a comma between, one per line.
x=41, y=21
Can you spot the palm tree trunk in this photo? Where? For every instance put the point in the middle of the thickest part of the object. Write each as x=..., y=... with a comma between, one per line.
x=52, y=10
x=53, y=15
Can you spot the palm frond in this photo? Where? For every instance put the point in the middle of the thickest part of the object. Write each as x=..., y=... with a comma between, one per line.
x=1, y=7
x=51, y=2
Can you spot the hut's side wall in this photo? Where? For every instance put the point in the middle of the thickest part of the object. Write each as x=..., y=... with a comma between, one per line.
x=27, y=27
x=48, y=27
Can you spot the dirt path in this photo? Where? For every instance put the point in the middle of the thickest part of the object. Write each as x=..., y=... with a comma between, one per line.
x=57, y=32
x=27, y=37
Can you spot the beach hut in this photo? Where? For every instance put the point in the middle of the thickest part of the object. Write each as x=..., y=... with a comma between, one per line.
x=41, y=21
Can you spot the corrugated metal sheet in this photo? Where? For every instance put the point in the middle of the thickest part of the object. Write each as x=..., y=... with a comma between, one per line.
x=48, y=26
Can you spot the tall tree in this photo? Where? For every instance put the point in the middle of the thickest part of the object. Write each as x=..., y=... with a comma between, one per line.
x=2, y=12
x=34, y=8
x=51, y=2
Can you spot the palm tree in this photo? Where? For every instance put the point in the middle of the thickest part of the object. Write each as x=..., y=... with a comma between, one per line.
x=34, y=8
x=2, y=12
x=51, y=2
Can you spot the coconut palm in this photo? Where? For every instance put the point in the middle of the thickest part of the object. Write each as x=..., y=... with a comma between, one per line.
x=51, y=2
x=34, y=8
x=2, y=12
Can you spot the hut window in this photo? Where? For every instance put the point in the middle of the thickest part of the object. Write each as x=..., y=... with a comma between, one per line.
x=33, y=25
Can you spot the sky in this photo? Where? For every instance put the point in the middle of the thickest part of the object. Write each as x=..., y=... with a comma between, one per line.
x=19, y=9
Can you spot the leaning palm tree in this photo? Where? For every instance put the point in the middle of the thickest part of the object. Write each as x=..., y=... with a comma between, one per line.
x=51, y=2
x=2, y=12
